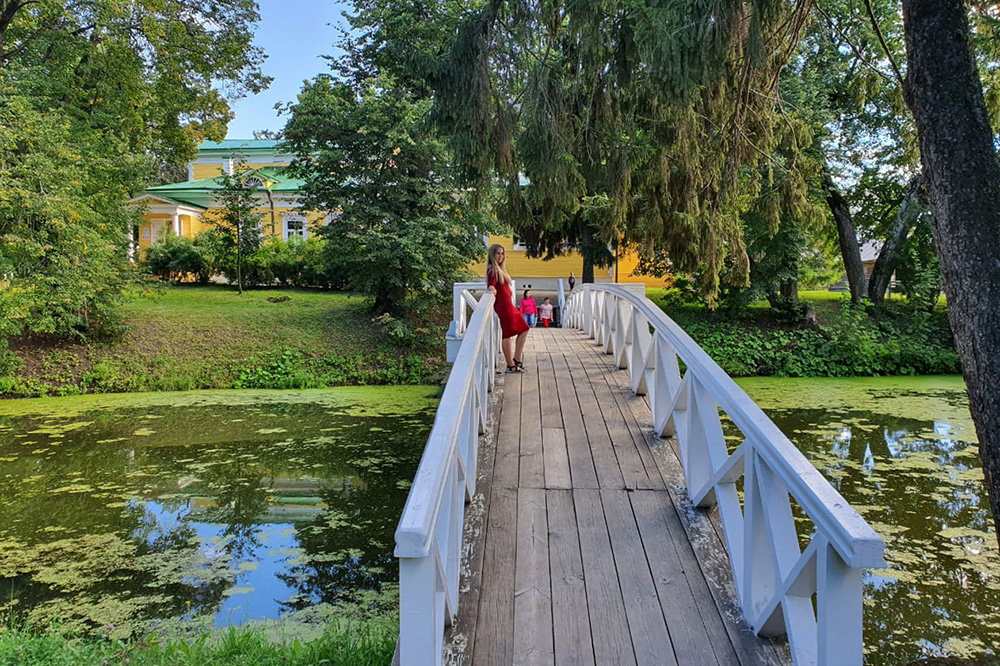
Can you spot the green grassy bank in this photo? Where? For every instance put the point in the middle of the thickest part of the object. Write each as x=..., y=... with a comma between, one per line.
x=342, y=643
x=844, y=341
x=203, y=337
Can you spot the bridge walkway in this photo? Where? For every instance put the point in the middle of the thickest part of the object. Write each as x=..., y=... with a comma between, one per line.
x=581, y=547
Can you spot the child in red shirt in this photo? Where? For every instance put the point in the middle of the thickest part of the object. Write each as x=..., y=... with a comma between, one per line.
x=545, y=311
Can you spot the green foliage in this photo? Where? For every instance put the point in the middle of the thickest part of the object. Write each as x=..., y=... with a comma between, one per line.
x=239, y=231
x=299, y=263
x=179, y=257
x=900, y=342
x=346, y=642
x=919, y=271
x=289, y=368
x=404, y=230
x=97, y=99
x=643, y=124
x=10, y=363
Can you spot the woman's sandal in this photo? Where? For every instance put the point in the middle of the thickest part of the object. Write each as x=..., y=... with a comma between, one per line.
x=519, y=365
x=514, y=368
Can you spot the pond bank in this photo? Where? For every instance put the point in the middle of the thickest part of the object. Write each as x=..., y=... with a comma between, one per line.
x=182, y=338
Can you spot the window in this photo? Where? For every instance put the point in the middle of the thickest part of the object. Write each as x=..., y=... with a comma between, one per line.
x=254, y=182
x=517, y=244
x=294, y=226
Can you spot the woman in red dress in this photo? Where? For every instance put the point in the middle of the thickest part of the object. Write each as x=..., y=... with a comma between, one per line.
x=511, y=322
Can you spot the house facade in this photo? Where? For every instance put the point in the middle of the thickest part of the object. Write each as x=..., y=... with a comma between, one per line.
x=187, y=208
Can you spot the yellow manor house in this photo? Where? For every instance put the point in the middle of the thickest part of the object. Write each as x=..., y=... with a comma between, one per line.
x=188, y=207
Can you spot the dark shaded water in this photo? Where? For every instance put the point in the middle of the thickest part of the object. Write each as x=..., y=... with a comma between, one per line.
x=211, y=507
x=903, y=452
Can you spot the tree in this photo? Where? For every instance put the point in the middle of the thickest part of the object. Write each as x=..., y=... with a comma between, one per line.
x=238, y=225
x=403, y=228
x=945, y=93
x=98, y=98
x=658, y=120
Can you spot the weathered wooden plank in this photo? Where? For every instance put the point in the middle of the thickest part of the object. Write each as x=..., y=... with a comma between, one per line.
x=494, y=644
x=531, y=462
x=650, y=638
x=609, y=473
x=532, y=591
x=622, y=394
x=692, y=635
x=699, y=544
x=570, y=618
x=633, y=468
x=551, y=410
x=556, y=458
x=506, y=466
x=461, y=636
x=581, y=461
x=608, y=623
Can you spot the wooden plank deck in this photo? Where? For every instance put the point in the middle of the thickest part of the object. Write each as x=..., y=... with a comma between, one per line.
x=585, y=550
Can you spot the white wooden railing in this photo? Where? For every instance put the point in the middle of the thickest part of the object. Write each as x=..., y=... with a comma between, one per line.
x=464, y=302
x=777, y=582
x=429, y=535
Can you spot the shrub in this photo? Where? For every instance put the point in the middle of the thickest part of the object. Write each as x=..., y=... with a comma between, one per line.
x=177, y=259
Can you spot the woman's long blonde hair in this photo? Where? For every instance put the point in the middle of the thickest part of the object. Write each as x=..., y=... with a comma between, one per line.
x=503, y=277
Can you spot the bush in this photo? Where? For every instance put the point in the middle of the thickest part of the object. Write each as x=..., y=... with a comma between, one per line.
x=299, y=263
x=178, y=259
x=901, y=341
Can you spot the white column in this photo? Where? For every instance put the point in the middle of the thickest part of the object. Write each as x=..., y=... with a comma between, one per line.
x=177, y=224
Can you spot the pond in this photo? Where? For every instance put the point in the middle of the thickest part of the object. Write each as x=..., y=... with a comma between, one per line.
x=205, y=508
x=903, y=452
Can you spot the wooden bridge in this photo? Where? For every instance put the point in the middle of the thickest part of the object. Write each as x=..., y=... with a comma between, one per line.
x=554, y=518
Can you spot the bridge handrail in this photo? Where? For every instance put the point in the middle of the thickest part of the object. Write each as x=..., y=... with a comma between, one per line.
x=775, y=579
x=429, y=534
x=462, y=301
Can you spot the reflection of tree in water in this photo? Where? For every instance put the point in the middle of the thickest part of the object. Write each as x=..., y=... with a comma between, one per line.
x=118, y=543
x=241, y=500
x=349, y=547
x=925, y=496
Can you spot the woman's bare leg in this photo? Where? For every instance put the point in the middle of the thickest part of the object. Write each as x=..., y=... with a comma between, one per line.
x=519, y=349
x=505, y=346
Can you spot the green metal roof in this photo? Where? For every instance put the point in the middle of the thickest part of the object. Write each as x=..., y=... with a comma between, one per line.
x=245, y=145
x=200, y=192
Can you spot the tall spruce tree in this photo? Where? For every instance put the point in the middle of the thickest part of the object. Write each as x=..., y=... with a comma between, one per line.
x=656, y=124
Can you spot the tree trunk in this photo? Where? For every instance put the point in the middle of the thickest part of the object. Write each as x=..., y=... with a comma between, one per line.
x=849, y=248
x=959, y=161
x=891, y=252
x=789, y=290
x=239, y=257
x=587, y=275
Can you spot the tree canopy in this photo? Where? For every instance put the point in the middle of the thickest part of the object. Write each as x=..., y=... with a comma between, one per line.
x=98, y=99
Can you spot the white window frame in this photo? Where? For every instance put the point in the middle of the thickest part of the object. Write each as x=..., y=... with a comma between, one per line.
x=517, y=245
x=294, y=217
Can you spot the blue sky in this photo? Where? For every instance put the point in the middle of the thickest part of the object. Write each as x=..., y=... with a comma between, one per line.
x=294, y=34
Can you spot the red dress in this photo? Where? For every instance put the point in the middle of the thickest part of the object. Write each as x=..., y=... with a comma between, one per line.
x=511, y=321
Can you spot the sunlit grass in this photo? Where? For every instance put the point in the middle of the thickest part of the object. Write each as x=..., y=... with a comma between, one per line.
x=180, y=338
x=343, y=643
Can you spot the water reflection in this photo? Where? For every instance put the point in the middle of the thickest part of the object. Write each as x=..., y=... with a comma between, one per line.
x=232, y=509
x=903, y=453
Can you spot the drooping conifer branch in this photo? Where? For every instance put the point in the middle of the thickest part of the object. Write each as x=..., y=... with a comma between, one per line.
x=632, y=123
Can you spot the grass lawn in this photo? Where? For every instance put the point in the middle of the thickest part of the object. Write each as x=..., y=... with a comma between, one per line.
x=196, y=337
